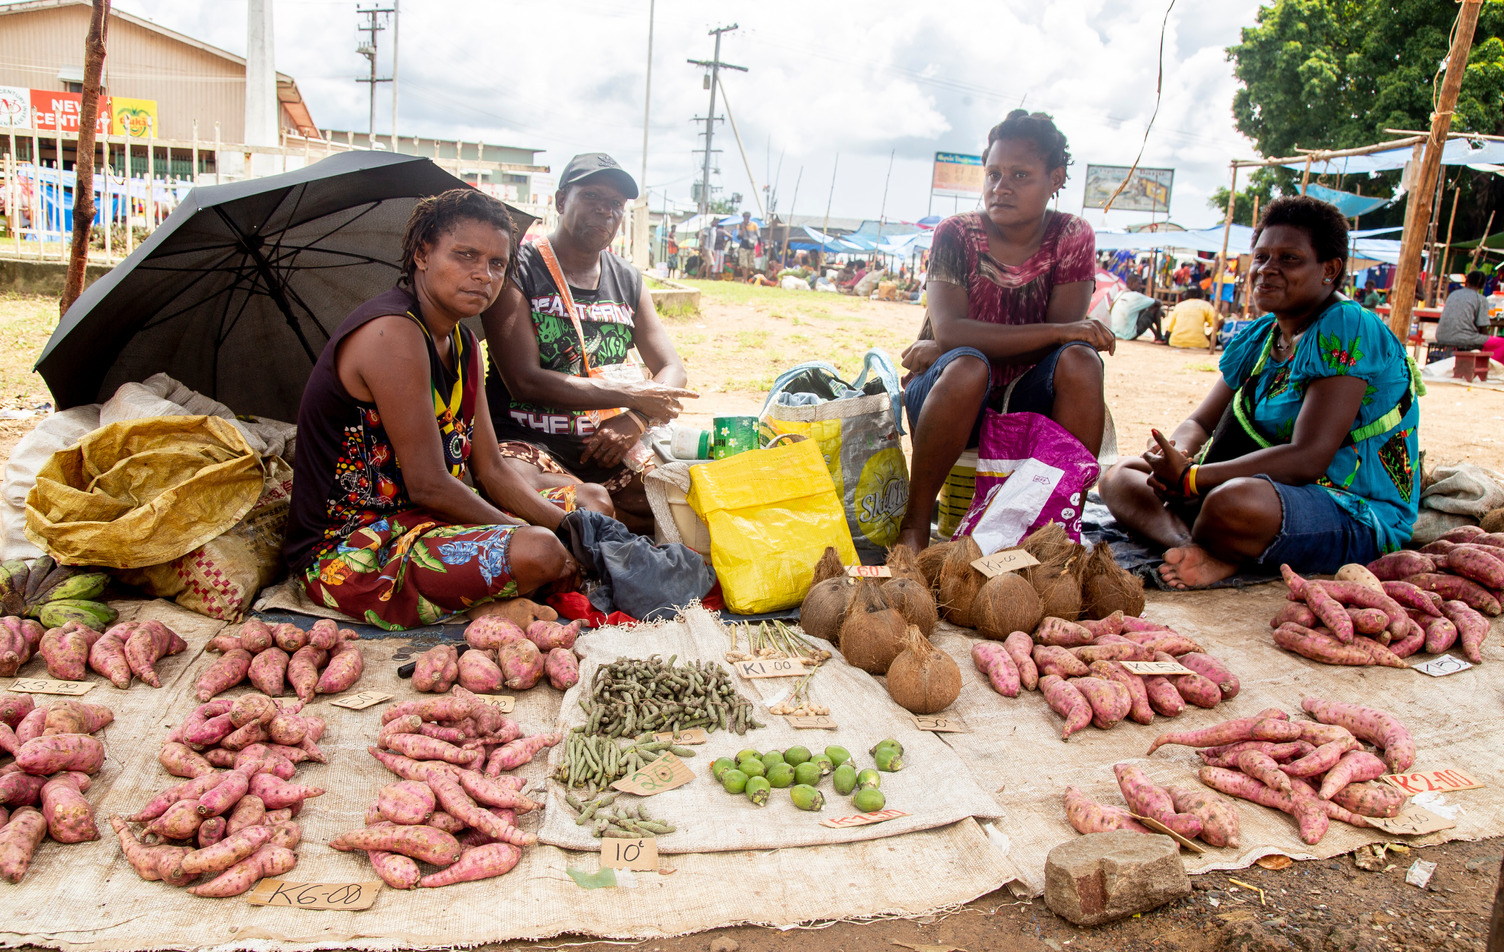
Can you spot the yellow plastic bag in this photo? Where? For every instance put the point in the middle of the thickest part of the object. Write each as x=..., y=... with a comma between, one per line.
x=143, y=492
x=771, y=515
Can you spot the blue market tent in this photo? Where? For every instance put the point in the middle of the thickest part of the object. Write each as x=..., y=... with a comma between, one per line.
x=1351, y=205
x=1456, y=152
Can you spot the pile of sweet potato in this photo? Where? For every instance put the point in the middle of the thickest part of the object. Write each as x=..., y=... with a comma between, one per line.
x=119, y=653
x=1188, y=811
x=321, y=660
x=1370, y=617
x=1078, y=668
x=499, y=654
x=1465, y=566
x=42, y=789
x=233, y=825
x=446, y=811
x=1316, y=771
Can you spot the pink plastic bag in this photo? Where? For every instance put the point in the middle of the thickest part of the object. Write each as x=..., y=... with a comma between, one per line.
x=1030, y=471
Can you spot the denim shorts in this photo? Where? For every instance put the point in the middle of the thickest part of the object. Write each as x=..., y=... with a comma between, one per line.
x=1034, y=392
x=1317, y=535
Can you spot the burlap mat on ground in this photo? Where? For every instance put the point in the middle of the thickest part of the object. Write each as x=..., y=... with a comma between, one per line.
x=1014, y=748
x=86, y=897
x=934, y=787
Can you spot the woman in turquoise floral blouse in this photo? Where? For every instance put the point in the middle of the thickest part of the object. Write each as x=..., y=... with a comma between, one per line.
x=1305, y=450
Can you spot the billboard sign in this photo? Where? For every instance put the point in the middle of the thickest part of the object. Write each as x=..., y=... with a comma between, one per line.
x=957, y=175
x=1148, y=190
x=15, y=107
x=59, y=111
x=136, y=118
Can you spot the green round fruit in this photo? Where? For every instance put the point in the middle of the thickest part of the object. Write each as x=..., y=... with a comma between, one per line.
x=758, y=790
x=806, y=797
x=869, y=800
x=721, y=765
x=780, y=775
x=889, y=759
x=886, y=742
x=733, y=780
x=869, y=778
x=807, y=773
x=772, y=757
x=837, y=755
x=825, y=764
x=752, y=767
x=795, y=756
x=844, y=779
x=742, y=755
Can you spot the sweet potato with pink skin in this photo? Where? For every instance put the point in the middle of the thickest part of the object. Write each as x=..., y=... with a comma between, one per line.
x=457, y=803
x=252, y=707
x=277, y=793
x=1298, y=612
x=1331, y=613
x=188, y=790
x=1123, y=651
x=1139, y=710
x=456, y=705
x=265, y=862
x=69, y=817
x=1318, y=647
x=225, y=794
x=1020, y=648
x=289, y=637
x=1226, y=755
x=149, y=643
x=1354, y=767
x=406, y=802
x=452, y=735
x=15, y=707
x=1472, y=629
x=1306, y=793
x=67, y=716
x=1061, y=633
x=223, y=674
x=1196, y=689
x=548, y=635
x=1218, y=815
x=255, y=636
x=1067, y=701
x=1135, y=623
x=421, y=842
x=346, y=663
x=1163, y=698
x=521, y=664
x=407, y=724
x=48, y=755
x=211, y=831
x=249, y=811
x=1369, y=621
x=562, y=668
x=993, y=660
x=1263, y=768
x=15, y=650
x=1146, y=798
x=1320, y=760
x=1227, y=732
x=227, y=852
x=66, y=651
x=243, y=737
x=31, y=725
x=1377, y=727
x=518, y=752
x=437, y=669
x=18, y=841
x=1470, y=563
x=419, y=747
x=1441, y=634
x=481, y=862
x=1172, y=644
x=268, y=671
x=1053, y=659
x=181, y=761
x=21, y=789
x=1311, y=817
x=490, y=632
x=303, y=670
x=286, y=834
x=1111, y=625
x=396, y=870
x=107, y=658
x=151, y=863
x=1088, y=816
x=1110, y=701
x=1213, y=670
x=1410, y=597
x=478, y=671
x=180, y=821
x=1370, y=798
x=324, y=634
x=1349, y=594
x=404, y=767
x=490, y=793
x=8, y=742
x=1452, y=587
x=1401, y=565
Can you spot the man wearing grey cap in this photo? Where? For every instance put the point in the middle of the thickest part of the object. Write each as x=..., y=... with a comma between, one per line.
x=568, y=401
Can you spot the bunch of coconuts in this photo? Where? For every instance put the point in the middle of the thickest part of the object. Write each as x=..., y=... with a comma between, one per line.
x=882, y=626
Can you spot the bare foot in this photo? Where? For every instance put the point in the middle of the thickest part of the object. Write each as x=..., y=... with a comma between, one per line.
x=916, y=539
x=1191, y=566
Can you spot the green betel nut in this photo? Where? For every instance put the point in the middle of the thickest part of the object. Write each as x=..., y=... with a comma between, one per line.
x=889, y=759
x=781, y=775
x=837, y=755
x=795, y=756
x=844, y=779
x=758, y=790
x=734, y=780
x=869, y=800
x=869, y=778
x=807, y=773
x=806, y=797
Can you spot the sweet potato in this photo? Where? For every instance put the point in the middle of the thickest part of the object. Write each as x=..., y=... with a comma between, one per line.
x=562, y=668
x=1377, y=727
x=151, y=863
x=1311, y=817
x=518, y=752
x=1123, y=651
x=21, y=789
x=1146, y=798
x=255, y=636
x=15, y=649
x=419, y=747
x=268, y=671
x=1306, y=793
x=1053, y=659
x=478, y=671
x=1410, y=596
x=345, y=665
x=1263, y=768
x=1331, y=613
x=249, y=811
x=1354, y=767
x=1369, y=621
x=227, y=852
x=303, y=670
x=1318, y=647
x=9, y=744
x=1441, y=633
x=267, y=861
x=1088, y=816
x=228, y=671
x=252, y=707
x=277, y=793
x=1067, y=701
x=1370, y=798
x=1218, y=815
x=1062, y=634
x=1298, y=612
x=481, y=862
x=490, y=792
x=31, y=725
x=490, y=632
x=994, y=661
x=1411, y=642
x=421, y=842
x=211, y=831
x=1111, y=625
x=548, y=635
x=18, y=841
x=1472, y=628
x=69, y=817
x=457, y=705
x=15, y=707
x=1226, y=755
x=1172, y=643
x=1196, y=689
x=1020, y=648
x=66, y=650
x=1470, y=563
x=406, y=802
x=437, y=669
x=181, y=761
x=179, y=822
x=1213, y=670
x=48, y=755
x=521, y=663
x=458, y=804
x=150, y=642
x=1227, y=732
x=289, y=637
x=1139, y=710
x=67, y=716
x=1401, y=565
x=225, y=794
x=187, y=790
x=1320, y=760
x=396, y=870
x=1452, y=587
x=324, y=634
x=1163, y=697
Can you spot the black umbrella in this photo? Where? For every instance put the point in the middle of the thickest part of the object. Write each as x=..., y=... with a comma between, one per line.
x=236, y=293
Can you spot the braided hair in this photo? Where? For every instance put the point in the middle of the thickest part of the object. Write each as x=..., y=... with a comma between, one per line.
x=1020, y=125
x=439, y=214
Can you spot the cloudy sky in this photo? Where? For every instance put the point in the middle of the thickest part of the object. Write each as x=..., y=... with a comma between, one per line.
x=866, y=81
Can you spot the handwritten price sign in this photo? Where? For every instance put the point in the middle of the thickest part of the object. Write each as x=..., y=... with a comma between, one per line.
x=44, y=686
x=869, y=571
x=689, y=738
x=862, y=819
x=639, y=854
x=361, y=701
x=1443, y=781
x=347, y=896
x=940, y=724
x=999, y=562
x=665, y=773
x=816, y=722
x=1157, y=667
x=770, y=668
x=1442, y=666
x=1413, y=820
x=501, y=702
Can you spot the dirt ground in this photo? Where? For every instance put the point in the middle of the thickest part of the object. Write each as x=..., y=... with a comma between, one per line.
x=733, y=350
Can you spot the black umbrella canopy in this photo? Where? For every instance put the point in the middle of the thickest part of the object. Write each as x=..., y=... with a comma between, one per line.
x=236, y=293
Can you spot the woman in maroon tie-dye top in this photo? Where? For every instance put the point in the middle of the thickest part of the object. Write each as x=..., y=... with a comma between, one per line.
x=1007, y=329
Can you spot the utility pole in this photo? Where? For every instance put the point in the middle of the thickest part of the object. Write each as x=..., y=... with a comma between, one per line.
x=395, y=5
x=1418, y=208
x=368, y=50
x=647, y=95
x=713, y=83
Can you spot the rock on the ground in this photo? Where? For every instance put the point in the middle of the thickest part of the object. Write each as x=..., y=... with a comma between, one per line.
x=1100, y=877
x=724, y=944
x=1248, y=936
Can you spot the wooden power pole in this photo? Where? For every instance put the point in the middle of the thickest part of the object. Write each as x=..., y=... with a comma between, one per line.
x=1418, y=208
x=83, y=156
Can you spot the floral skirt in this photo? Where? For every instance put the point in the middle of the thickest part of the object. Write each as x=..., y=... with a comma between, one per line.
x=410, y=569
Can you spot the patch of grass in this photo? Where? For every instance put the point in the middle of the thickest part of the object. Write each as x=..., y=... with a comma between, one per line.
x=1202, y=366
x=26, y=322
x=752, y=340
x=679, y=313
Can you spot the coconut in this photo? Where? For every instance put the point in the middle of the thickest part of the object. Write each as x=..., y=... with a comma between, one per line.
x=1493, y=521
x=1057, y=577
x=1006, y=604
x=1059, y=590
x=829, y=566
x=872, y=632
x=1107, y=587
x=923, y=679
x=912, y=600
x=824, y=608
x=1049, y=543
x=930, y=560
x=902, y=564
x=959, y=583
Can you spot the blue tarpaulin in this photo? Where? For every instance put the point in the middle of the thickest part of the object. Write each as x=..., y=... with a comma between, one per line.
x=1348, y=203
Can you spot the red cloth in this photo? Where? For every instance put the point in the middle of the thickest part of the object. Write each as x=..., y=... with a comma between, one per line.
x=574, y=605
